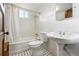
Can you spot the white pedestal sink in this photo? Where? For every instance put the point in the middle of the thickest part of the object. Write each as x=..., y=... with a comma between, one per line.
x=64, y=39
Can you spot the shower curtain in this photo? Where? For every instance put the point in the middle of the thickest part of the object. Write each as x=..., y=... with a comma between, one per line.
x=11, y=22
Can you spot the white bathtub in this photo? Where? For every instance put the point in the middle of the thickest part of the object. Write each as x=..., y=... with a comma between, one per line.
x=24, y=40
x=21, y=45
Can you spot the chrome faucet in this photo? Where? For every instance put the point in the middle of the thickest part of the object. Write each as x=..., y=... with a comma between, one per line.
x=62, y=33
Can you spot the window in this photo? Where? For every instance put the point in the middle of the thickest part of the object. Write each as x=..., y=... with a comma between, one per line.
x=23, y=14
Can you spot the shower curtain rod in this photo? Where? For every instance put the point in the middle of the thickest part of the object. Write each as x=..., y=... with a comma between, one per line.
x=23, y=8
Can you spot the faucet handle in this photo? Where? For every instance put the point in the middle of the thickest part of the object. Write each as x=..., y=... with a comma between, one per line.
x=60, y=33
x=63, y=33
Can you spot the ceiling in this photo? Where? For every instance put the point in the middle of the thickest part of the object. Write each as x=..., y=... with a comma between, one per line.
x=32, y=6
x=39, y=6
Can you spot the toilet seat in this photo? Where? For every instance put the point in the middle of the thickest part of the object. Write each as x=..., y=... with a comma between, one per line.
x=35, y=43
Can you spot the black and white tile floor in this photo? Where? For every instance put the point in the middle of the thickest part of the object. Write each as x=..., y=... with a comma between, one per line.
x=39, y=51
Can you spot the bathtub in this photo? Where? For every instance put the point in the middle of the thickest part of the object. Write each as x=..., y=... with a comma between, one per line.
x=24, y=40
x=21, y=45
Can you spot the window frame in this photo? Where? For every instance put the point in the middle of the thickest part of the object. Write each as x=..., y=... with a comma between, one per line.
x=25, y=12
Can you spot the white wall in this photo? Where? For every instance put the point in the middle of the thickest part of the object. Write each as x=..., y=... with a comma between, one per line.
x=60, y=15
x=70, y=24
x=48, y=23
x=45, y=22
x=27, y=27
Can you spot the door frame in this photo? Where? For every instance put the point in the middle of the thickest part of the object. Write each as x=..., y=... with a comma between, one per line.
x=3, y=29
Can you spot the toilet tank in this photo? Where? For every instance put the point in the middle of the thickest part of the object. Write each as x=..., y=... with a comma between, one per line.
x=43, y=37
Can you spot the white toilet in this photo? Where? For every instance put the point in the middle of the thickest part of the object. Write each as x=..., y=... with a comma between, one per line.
x=37, y=43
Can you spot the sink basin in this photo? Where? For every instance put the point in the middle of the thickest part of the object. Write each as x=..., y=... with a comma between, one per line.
x=64, y=39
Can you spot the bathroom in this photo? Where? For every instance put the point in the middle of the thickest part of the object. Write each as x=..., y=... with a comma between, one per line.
x=33, y=28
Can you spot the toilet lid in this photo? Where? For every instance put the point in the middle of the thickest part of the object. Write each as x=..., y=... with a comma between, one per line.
x=35, y=42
